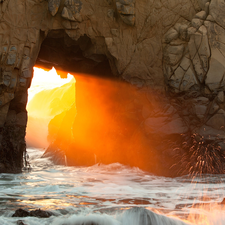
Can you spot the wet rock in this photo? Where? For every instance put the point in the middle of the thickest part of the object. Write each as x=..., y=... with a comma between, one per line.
x=20, y=222
x=40, y=213
x=35, y=213
x=21, y=213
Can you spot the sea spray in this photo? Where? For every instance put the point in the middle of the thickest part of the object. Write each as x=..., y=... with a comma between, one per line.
x=108, y=194
x=142, y=216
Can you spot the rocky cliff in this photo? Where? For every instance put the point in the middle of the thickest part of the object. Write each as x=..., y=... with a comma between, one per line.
x=171, y=50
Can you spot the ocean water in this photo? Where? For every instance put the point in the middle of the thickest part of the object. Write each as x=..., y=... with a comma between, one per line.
x=109, y=195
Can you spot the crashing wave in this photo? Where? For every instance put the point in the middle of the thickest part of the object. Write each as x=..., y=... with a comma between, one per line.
x=134, y=216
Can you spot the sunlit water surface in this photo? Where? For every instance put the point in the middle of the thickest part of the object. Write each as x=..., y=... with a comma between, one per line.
x=105, y=192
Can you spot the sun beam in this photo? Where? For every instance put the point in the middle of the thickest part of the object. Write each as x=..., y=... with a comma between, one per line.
x=48, y=96
x=43, y=80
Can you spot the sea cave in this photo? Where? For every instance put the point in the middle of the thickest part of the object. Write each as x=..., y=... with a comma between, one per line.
x=134, y=134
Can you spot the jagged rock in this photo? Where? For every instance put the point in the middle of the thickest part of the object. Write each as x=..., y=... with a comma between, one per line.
x=201, y=15
x=172, y=34
x=129, y=20
x=196, y=23
x=40, y=213
x=21, y=213
x=127, y=12
x=66, y=13
x=20, y=222
x=53, y=6
x=72, y=10
x=210, y=18
x=125, y=9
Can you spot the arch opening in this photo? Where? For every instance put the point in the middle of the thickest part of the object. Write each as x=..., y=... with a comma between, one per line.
x=48, y=96
x=99, y=127
x=110, y=120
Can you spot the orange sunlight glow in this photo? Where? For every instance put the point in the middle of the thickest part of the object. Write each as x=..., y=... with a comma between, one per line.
x=200, y=214
x=43, y=79
x=207, y=214
x=86, y=127
x=45, y=102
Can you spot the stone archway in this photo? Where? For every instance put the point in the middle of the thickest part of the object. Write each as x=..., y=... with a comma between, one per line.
x=144, y=42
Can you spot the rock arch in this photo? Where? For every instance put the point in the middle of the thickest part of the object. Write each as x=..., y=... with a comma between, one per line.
x=150, y=44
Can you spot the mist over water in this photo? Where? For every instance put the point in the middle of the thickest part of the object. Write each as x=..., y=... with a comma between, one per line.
x=104, y=193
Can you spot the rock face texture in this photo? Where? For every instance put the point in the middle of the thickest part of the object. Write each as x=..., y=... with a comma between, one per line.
x=173, y=51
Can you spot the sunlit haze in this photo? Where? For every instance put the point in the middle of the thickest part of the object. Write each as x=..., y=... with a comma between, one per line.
x=46, y=80
x=48, y=96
